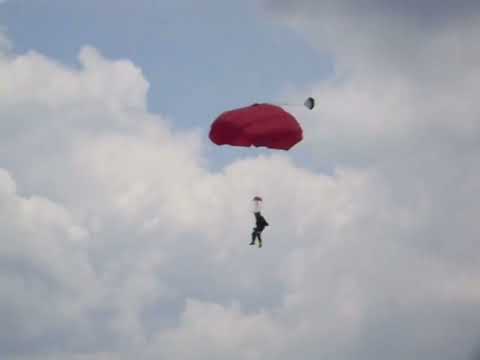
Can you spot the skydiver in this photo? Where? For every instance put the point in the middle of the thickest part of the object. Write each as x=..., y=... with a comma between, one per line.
x=260, y=224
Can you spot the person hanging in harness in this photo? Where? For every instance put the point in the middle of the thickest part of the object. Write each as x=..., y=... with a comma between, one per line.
x=260, y=224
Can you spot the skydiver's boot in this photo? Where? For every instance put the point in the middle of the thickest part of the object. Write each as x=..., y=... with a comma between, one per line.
x=259, y=241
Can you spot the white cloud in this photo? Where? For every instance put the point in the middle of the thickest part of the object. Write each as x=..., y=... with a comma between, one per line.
x=45, y=268
x=136, y=204
x=35, y=78
x=403, y=103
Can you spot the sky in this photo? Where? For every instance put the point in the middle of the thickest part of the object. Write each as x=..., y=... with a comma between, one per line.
x=124, y=231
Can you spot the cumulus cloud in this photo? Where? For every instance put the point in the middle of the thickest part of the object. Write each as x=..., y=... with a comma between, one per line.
x=119, y=242
x=411, y=114
x=403, y=103
x=44, y=270
x=106, y=210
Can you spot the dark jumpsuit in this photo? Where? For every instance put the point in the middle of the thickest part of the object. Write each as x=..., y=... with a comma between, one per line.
x=260, y=224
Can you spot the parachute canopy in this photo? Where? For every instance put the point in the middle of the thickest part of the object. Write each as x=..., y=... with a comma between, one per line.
x=257, y=125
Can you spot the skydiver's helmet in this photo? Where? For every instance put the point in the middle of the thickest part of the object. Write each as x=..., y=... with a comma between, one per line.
x=257, y=203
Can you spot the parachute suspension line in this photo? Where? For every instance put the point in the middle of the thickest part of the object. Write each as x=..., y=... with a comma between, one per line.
x=289, y=104
x=309, y=103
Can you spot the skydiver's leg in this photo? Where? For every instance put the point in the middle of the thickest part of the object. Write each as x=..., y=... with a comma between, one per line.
x=254, y=234
x=259, y=235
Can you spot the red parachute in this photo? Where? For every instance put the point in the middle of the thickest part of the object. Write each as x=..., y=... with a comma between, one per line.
x=258, y=125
